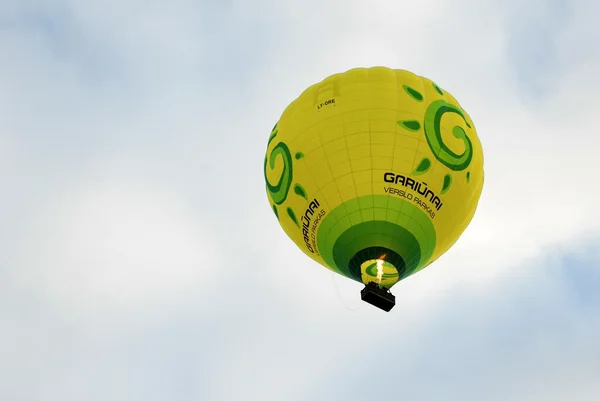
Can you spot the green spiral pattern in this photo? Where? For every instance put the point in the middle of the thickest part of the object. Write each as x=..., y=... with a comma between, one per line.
x=433, y=134
x=279, y=191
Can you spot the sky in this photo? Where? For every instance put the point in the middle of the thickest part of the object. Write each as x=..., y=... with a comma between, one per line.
x=139, y=256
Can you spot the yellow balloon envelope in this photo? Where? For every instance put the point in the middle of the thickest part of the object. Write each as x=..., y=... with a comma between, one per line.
x=374, y=173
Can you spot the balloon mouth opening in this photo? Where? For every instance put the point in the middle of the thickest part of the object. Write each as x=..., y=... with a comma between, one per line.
x=380, y=265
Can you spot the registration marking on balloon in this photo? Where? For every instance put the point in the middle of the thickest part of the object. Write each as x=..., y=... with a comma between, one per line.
x=362, y=171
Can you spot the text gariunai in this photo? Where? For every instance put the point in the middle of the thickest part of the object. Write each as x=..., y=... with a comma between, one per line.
x=308, y=232
x=427, y=195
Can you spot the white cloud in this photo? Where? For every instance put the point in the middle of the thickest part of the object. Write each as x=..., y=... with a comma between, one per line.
x=118, y=242
x=141, y=243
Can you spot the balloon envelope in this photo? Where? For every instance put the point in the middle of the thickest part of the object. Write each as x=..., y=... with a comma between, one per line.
x=374, y=173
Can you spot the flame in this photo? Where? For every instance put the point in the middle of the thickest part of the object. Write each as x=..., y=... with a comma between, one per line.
x=380, y=263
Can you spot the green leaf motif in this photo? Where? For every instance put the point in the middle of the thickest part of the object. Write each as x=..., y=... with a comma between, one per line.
x=411, y=125
x=292, y=215
x=413, y=93
x=423, y=167
x=300, y=191
x=447, y=183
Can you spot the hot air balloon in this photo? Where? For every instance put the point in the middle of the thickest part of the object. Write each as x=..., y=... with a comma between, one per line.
x=374, y=173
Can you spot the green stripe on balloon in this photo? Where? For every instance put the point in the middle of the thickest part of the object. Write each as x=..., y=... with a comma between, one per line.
x=386, y=222
x=376, y=233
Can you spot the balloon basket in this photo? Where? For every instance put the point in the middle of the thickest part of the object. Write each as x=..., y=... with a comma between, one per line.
x=378, y=296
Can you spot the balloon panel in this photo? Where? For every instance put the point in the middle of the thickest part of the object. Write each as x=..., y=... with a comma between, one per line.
x=374, y=163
